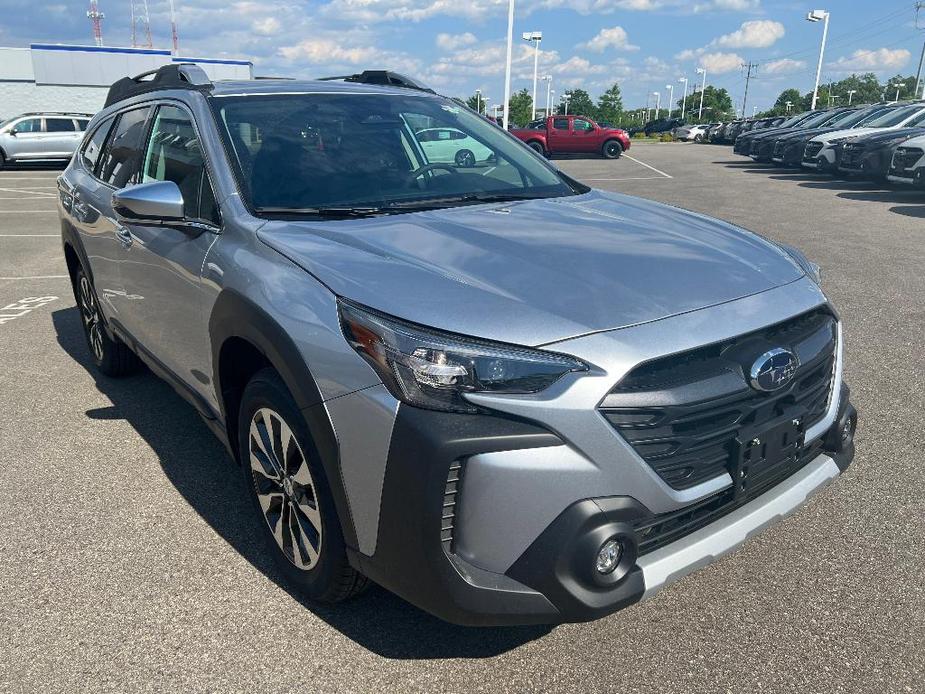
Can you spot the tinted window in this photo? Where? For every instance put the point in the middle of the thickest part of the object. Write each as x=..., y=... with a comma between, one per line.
x=583, y=125
x=560, y=123
x=296, y=152
x=59, y=125
x=82, y=123
x=123, y=151
x=30, y=125
x=174, y=154
x=90, y=154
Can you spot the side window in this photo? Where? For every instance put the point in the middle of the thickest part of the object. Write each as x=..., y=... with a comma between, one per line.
x=30, y=125
x=82, y=124
x=123, y=151
x=174, y=154
x=560, y=123
x=90, y=154
x=583, y=125
x=59, y=125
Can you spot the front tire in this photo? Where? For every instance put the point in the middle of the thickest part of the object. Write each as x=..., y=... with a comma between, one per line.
x=110, y=355
x=537, y=147
x=612, y=149
x=465, y=159
x=290, y=493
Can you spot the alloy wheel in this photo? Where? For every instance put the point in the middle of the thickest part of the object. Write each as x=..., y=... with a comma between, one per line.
x=90, y=313
x=285, y=488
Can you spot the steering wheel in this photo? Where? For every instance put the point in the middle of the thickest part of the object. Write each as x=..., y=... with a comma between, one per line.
x=414, y=175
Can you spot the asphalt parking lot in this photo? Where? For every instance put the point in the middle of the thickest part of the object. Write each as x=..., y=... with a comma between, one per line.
x=125, y=564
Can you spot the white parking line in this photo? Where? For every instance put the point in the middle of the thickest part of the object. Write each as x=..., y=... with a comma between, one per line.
x=661, y=173
x=51, y=236
x=51, y=209
x=38, y=277
x=628, y=178
x=30, y=192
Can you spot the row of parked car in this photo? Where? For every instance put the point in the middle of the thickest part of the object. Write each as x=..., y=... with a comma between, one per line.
x=882, y=142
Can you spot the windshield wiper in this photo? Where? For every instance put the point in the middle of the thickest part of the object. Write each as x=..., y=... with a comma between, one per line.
x=455, y=200
x=325, y=211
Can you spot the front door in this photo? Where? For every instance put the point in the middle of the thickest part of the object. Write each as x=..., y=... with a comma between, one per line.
x=25, y=139
x=584, y=135
x=161, y=265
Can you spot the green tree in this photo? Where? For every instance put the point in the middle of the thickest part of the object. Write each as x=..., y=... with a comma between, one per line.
x=610, y=105
x=476, y=103
x=579, y=103
x=791, y=96
x=717, y=104
x=521, y=108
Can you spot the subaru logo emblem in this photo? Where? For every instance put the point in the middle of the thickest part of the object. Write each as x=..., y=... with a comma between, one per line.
x=773, y=370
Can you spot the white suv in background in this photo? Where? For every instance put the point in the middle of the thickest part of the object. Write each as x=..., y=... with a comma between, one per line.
x=824, y=158
x=41, y=136
x=908, y=165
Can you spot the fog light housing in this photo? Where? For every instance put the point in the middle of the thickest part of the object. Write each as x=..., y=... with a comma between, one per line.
x=608, y=556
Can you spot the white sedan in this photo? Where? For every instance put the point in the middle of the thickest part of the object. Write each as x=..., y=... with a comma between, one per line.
x=448, y=145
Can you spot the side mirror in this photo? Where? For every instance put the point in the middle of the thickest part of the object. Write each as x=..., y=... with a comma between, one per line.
x=14, y=132
x=154, y=203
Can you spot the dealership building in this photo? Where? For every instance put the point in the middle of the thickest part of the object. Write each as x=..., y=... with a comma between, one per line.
x=54, y=77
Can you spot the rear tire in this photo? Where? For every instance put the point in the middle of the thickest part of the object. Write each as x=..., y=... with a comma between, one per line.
x=110, y=355
x=698, y=138
x=612, y=149
x=291, y=497
x=537, y=147
x=465, y=159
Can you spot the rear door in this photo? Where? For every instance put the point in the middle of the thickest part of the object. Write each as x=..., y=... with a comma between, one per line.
x=61, y=137
x=161, y=265
x=559, y=136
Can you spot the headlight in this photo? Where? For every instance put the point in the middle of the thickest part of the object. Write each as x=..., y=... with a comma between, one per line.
x=809, y=267
x=431, y=369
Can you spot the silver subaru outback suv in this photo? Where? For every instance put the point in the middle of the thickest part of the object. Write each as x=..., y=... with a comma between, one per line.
x=498, y=393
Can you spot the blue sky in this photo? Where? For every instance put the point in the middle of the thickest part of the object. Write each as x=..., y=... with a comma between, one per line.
x=457, y=46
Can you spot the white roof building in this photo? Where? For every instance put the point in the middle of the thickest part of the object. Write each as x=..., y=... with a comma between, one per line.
x=56, y=77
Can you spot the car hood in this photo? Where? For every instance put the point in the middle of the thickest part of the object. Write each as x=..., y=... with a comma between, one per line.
x=879, y=138
x=850, y=132
x=539, y=271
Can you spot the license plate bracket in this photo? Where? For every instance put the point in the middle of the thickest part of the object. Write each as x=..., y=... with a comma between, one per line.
x=766, y=453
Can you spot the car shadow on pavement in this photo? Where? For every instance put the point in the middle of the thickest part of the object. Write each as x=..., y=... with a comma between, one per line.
x=910, y=211
x=880, y=195
x=198, y=466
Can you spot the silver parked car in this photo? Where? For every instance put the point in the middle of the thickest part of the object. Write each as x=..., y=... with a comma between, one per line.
x=503, y=395
x=33, y=137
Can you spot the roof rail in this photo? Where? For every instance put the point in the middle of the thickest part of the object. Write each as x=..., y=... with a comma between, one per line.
x=81, y=114
x=173, y=76
x=383, y=77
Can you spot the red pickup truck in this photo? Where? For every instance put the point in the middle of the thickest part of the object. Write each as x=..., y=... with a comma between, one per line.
x=572, y=134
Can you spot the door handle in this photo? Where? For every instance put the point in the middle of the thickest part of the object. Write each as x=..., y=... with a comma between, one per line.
x=125, y=236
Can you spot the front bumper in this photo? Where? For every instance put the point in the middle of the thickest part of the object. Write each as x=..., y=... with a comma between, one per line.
x=421, y=556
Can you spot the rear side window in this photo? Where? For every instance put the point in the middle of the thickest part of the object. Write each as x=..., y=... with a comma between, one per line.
x=82, y=124
x=59, y=125
x=90, y=154
x=560, y=123
x=122, y=155
x=174, y=154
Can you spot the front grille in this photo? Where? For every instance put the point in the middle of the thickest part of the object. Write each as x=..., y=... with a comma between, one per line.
x=812, y=150
x=754, y=147
x=904, y=159
x=658, y=531
x=851, y=156
x=779, y=149
x=687, y=415
x=450, y=498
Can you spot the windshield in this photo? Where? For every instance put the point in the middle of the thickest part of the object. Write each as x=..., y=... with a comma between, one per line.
x=894, y=117
x=815, y=121
x=374, y=153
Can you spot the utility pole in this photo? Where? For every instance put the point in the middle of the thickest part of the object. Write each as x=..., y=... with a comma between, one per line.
x=918, y=75
x=748, y=77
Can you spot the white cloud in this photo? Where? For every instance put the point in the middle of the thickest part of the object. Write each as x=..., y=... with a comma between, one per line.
x=759, y=33
x=879, y=59
x=718, y=63
x=728, y=5
x=268, y=26
x=783, y=66
x=615, y=37
x=450, y=42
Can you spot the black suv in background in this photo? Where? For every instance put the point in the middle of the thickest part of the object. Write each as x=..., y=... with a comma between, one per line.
x=660, y=125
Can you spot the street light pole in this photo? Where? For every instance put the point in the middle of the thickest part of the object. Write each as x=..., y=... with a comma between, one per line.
x=703, y=87
x=851, y=93
x=670, y=88
x=478, y=101
x=565, y=99
x=507, y=66
x=789, y=106
x=535, y=37
x=817, y=16
x=658, y=103
x=684, y=100
x=548, y=80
